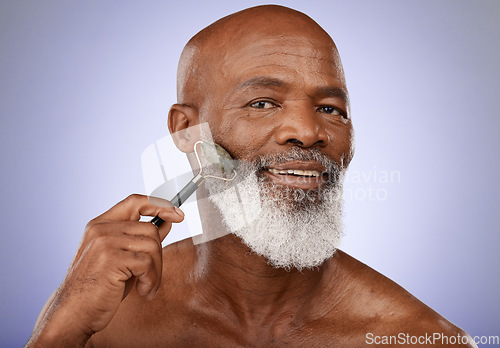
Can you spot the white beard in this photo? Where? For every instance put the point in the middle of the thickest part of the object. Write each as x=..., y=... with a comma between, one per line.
x=291, y=228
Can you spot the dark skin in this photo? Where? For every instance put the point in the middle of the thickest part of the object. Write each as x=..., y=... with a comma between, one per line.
x=279, y=85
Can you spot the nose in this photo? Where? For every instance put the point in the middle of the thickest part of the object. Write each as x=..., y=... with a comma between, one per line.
x=301, y=127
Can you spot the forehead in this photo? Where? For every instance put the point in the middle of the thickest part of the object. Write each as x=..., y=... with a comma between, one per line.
x=292, y=58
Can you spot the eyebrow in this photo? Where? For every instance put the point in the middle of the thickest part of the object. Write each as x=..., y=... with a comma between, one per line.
x=264, y=81
x=261, y=81
x=334, y=92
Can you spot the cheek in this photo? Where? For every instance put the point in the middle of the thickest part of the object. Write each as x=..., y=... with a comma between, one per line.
x=244, y=137
x=342, y=143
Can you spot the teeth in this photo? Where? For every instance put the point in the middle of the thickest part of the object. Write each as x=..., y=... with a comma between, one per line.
x=295, y=172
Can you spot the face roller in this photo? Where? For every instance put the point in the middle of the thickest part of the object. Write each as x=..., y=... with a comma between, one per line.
x=217, y=157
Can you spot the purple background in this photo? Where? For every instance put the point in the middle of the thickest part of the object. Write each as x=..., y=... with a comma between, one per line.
x=86, y=87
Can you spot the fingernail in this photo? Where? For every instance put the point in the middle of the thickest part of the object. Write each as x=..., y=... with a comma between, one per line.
x=179, y=212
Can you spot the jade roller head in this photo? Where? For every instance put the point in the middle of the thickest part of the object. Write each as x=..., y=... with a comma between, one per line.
x=216, y=156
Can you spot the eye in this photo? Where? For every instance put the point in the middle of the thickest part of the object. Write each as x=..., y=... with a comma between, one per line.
x=262, y=104
x=332, y=110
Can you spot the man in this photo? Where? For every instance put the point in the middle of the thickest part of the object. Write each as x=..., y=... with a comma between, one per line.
x=269, y=82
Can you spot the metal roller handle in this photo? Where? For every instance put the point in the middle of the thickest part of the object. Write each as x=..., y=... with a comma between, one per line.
x=181, y=197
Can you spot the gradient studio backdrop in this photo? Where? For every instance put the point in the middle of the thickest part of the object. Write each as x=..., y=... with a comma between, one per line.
x=86, y=87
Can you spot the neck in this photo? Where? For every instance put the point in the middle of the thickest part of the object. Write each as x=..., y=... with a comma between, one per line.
x=244, y=282
x=249, y=285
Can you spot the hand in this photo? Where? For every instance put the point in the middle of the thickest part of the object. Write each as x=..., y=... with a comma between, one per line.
x=117, y=251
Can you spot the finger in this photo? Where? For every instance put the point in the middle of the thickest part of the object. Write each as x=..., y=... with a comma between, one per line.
x=134, y=255
x=135, y=206
x=135, y=227
x=135, y=237
x=142, y=266
x=107, y=228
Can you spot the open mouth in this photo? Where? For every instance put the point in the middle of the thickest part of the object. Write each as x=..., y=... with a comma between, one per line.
x=303, y=175
x=295, y=172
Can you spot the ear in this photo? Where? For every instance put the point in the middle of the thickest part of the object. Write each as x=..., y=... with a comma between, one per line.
x=181, y=119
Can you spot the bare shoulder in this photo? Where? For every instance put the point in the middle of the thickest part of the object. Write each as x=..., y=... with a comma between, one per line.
x=381, y=310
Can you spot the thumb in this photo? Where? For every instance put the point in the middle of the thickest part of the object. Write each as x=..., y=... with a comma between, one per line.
x=166, y=226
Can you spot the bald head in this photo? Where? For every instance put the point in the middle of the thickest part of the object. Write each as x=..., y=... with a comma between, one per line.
x=208, y=53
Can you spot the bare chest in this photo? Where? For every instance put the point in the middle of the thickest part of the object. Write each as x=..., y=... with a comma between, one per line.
x=194, y=330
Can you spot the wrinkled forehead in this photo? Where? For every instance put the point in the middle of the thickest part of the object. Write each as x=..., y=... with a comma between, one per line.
x=298, y=52
x=293, y=58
